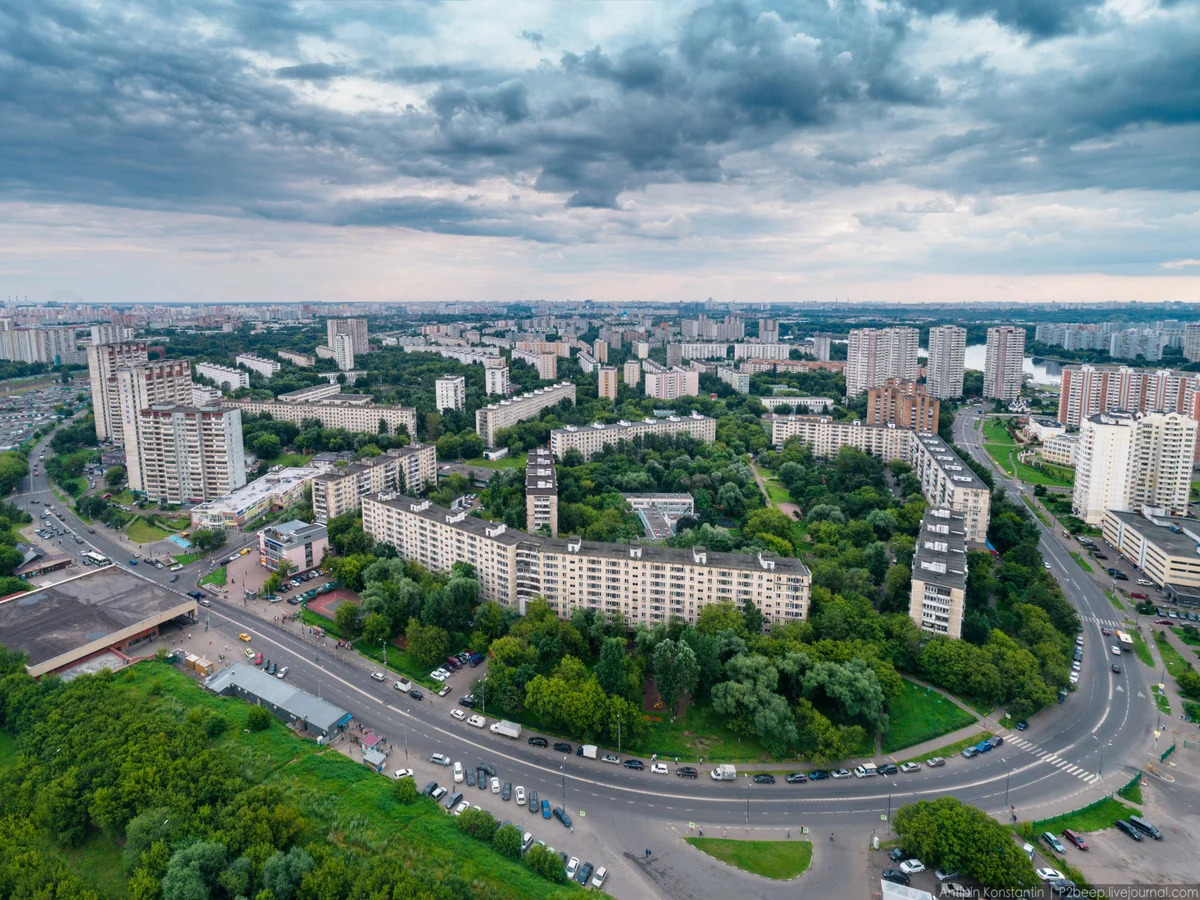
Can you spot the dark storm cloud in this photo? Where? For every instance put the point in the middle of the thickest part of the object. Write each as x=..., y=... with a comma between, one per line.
x=166, y=116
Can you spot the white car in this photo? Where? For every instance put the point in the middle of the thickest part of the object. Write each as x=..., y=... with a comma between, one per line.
x=437, y=676
x=404, y=773
x=910, y=767
x=1115, y=650
x=465, y=805
x=601, y=874
x=840, y=773
x=659, y=768
x=1046, y=564
x=1073, y=678
x=495, y=785
x=379, y=676
x=912, y=866
x=1076, y=666
x=458, y=773
x=457, y=714
x=1143, y=582
x=520, y=792
x=477, y=721
x=1048, y=875
x=956, y=890
x=572, y=867
x=440, y=759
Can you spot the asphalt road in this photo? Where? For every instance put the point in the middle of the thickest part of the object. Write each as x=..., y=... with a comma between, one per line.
x=1048, y=768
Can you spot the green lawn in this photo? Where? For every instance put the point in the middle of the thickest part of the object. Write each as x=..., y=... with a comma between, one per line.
x=1082, y=564
x=294, y=460
x=700, y=733
x=1002, y=454
x=217, y=577
x=1054, y=476
x=780, y=860
x=1176, y=664
x=185, y=558
x=918, y=715
x=98, y=861
x=1160, y=700
x=1102, y=815
x=1115, y=601
x=143, y=532
x=509, y=462
x=1036, y=511
x=950, y=749
x=1132, y=792
x=777, y=492
x=1187, y=635
x=123, y=498
x=179, y=523
x=1140, y=649
x=994, y=432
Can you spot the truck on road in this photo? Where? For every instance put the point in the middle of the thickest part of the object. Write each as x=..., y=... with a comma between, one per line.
x=508, y=729
x=588, y=751
x=724, y=773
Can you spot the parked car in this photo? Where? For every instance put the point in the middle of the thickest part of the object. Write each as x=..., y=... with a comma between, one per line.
x=1145, y=827
x=416, y=694
x=1124, y=826
x=895, y=876
x=910, y=767
x=282, y=673
x=545, y=809
x=538, y=742
x=506, y=791
x=601, y=875
x=796, y=778
x=495, y=785
x=1053, y=843
x=457, y=714
x=1022, y=725
x=440, y=759
x=687, y=772
x=562, y=747
x=584, y=874
x=1074, y=838
x=969, y=753
x=1047, y=874
x=572, y=867
x=955, y=890
x=840, y=773
x=945, y=874
x=818, y=775
x=912, y=866
x=611, y=758
x=378, y=676
x=659, y=768
x=888, y=769
x=935, y=762
x=763, y=778
x=561, y=815
x=520, y=795
x=534, y=805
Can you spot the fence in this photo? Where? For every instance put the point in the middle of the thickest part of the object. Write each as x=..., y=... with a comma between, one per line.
x=1167, y=753
x=1039, y=824
x=1129, y=785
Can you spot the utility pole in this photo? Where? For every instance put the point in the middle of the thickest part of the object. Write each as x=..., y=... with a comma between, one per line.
x=406, y=742
x=889, y=813
x=618, y=732
x=563, y=769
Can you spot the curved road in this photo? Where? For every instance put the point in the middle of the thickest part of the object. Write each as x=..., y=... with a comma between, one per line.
x=1052, y=766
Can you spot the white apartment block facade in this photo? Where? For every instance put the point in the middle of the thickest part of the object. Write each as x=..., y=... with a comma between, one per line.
x=312, y=393
x=225, y=377
x=103, y=362
x=761, y=351
x=343, y=351
x=341, y=490
x=495, y=416
x=495, y=380
x=450, y=392
x=267, y=368
x=592, y=439
x=359, y=417
x=1191, y=342
x=739, y=381
x=937, y=598
x=1089, y=390
x=945, y=365
x=606, y=385
x=356, y=328
x=643, y=584
x=159, y=383
x=190, y=454
x=632, y=372
x=1061, y=449
x=827, y=435
x=1004, y=368
x=303, y=360
x=703, y=351
x=670, y=384
x=874, y=355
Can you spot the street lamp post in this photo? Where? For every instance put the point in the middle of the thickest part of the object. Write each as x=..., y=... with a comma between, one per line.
x=748, y=783
x=406, y=742
x=1100, y=773
x=618, y=732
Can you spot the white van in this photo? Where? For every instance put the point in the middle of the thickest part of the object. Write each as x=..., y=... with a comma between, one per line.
x=866, y=770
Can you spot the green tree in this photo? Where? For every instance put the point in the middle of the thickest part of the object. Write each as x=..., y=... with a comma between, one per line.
x=348, y=619
x=507, y=841
x=426, y=643
x=207, y=539
x=541, y=861
x=283, y=872
x=753, y=616
x=478, y=823
x=258, y=718
x=675, y=672
x=611, y=667
x=114, y=476
x=267, y=446
x=720, y=617
x=376, y=629
x=406, y=791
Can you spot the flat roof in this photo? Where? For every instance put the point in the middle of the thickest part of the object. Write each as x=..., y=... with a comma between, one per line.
x=541, y=478
x=298, y=703
x=260, y=488
x=75, y=617
x=941, y=552
x=947, y=460
x=1158, y=531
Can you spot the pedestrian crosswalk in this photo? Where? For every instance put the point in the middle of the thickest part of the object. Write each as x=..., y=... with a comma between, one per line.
x=1048, y=757
x=1107, y=623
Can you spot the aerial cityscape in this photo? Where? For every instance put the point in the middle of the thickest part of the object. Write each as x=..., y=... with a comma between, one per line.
x=667, y=450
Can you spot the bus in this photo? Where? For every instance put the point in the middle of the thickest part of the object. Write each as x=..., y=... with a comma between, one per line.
x=92, y=558
x=1124, y=641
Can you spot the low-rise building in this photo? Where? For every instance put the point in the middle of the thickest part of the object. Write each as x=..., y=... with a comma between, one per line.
x=339, y=490
x=939, y=573
x=1163, y=547
x=1060, y=449
x=809, y=404
x=267, y=368
x=303, y=360
x=304, y=546
x=592, y=439
x=331, y=413
x=312, y=393
x=297, y=708
x=273, y=491
x=225, y=377
x=541, y=492
x=506, y=413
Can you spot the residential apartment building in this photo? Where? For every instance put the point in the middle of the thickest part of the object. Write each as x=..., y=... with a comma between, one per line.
x=273, y=491
x=541, y=492
x=554, y=348
x=203, y=395
x=606, y=385
x=547, y=366
x=225, y=377
x=340, y=491
x=700, y=351
x=356, y=328
x=945, y=364
x=754, y=366
x=595, y=438
x=761, y=351
x=827, y=435
x=641, y=349
x=600, y=351
x=587, y=362
x=948, y=482
x=1163, y=547
x=632, y=373
x=1061, y=449
x=312, y=393
x=343, y=351
x=303, y=360
x=876, y=354
x=303, y=546
x=190, y=454
x=822, y=344
x=111, y=334
x=1132, y=461
x=939, y=574
x=642, y=584
x=506, y=413
x=1130, y=343
x=768, y=331
x=53, y=346
x=103, y=362
x=1191, y=342
x=267, y=368
x=902, y=403
x=1004, y=366
x=159, y=383
x=795, y=404
x=495, y=379
x=739, y=381
x=358, y=416
x=450, y=392
x=669, y=384
x=1088, y=390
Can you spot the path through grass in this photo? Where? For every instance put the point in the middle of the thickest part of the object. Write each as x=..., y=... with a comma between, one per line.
x=780, y=860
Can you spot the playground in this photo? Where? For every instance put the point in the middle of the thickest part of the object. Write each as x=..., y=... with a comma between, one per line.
x=326, y=605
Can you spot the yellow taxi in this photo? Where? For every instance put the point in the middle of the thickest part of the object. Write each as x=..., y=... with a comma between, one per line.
x=244, y=636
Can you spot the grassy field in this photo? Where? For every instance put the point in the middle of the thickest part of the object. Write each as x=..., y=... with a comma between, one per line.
x=1002, y=454
x=179, y=523
x=920, y=715
x=509, y=462
x=1188, y=635
x=1102, y=816
x=780, y=860
x=143, y=532
x=1140, y=649
x=99, y=861
x=341, y=799
x=123, y=498
x=217, y=577
x=1054, y=476
x=1160, y=700
x=950, y=749
x=293, y=459
x=1115, y=600
x=1132, y=792
x=185, y=558
x=1082, y=563
x=1176, y=664
x=776, y=491
x=701, y=733
x=994, y=432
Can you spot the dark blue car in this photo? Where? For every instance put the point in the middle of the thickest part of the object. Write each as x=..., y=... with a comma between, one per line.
x=545, y=809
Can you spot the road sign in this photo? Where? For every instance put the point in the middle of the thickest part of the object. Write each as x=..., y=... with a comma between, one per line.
x=882, y=817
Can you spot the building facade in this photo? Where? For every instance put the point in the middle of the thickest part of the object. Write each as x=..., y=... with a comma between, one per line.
x=356, y=328
x=939, y=574
x=632, y=373
x=225, y=377
x=159, y=383
x=303, y=546
x=103, y=362
x=668, y=384
x=339, y=491
x=600, y=351
x=874, y=355
x=606, y=384
x=945, y=365
x=190, y=454
x=642, y=584
x=541, y=492
x=450, y=392
x=311, y=394
x=359, y=417
x=303, y=360
x=1164, y=548
x=948, y=482
x=739, y=381
x=343, y=351
x=902, y=403
x=1004, y=368
x=495, y=416
x=595, y=438
x=495, y=379
x=273, y=491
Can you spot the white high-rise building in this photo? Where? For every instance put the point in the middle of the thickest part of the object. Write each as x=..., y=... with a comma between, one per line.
x=876, y=354
x=103, y=362
x=669, y=384
x=495, y=379
x=160, y=383
x=343, y=351
x=190, y=454
x=356, y=328
x=944, y=368
x=1131, y=461
x=1005, y=358
x=111, y=334
x=450, y=392
x=1191, y=342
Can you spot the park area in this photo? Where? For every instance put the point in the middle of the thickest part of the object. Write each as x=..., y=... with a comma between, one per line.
x=1003, y=448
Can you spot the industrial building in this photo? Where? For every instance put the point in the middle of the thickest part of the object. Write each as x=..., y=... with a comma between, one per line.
x=297, y=708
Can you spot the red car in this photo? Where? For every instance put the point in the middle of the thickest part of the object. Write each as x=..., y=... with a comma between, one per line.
x=1163, y=622
x=258, y=659
x=1105, y=632
x=1076, y=839
x=1139, y=596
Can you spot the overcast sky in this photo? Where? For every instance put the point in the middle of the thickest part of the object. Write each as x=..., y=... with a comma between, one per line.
x=917, y=149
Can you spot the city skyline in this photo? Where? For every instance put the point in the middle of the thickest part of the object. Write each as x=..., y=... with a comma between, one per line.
x=939, y=151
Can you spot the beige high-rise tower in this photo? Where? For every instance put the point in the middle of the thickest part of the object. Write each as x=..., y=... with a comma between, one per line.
x=945, y=365
x=1005, y=359
x=607, y=385
x=103, y=362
